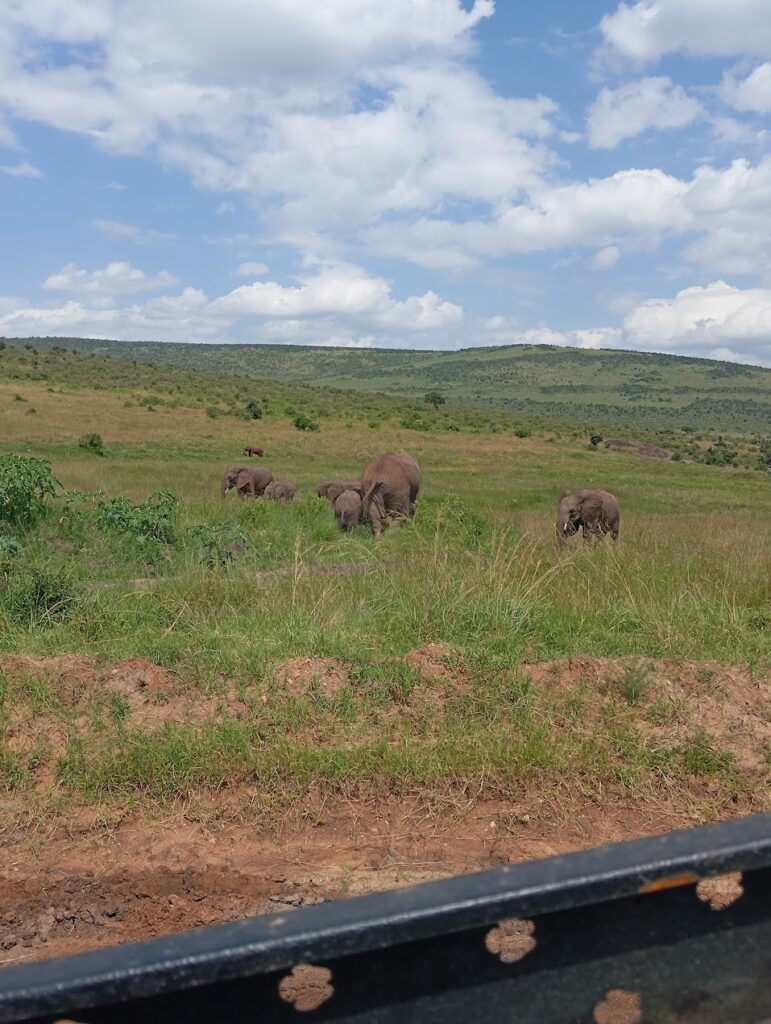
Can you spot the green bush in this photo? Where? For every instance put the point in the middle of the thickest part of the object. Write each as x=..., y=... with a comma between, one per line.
x=25, y=483
x=252, y=411
x=10, y=548
x=216, y=543
x=39, y=597
x=303, y=422
x=92, y=443
x=153, y=520
x=522, y=432
x=719, y=454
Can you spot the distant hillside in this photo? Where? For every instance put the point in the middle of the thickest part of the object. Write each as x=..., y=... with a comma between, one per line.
x=604, y=387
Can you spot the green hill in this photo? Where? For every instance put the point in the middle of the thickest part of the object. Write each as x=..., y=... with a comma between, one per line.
x=603, y=387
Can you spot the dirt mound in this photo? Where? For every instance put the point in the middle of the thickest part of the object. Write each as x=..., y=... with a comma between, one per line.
x=674, y=702
x=151, y=693
x=441, y=673
x=300, y=676
x=640, y=448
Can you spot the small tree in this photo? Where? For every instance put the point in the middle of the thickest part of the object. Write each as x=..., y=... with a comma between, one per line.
x=25, y=483
x=303, y=422
x=92, y=443
x=252, y=411
x=435, y=399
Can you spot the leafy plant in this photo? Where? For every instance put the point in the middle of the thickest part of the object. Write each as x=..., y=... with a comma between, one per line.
x=303, y=422
x=719, y=454
x=252, y=411
x=92, y=443
x=522, y=432
x=10, y=548
x=595, y=439
x=216, y=543
x=152, y=520
x=25, y=483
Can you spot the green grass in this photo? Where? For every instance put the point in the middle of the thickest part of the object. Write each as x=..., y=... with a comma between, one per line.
x=477, y=571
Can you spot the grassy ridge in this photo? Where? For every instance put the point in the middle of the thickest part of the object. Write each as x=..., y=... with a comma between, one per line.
x=639, y=390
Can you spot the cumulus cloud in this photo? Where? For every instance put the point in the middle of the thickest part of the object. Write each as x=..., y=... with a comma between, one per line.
x=752, y=93
x=649, y=29
x=343, y=290
x=118, y=277
x=706, y=319
x=635, y=107
x=22, y=169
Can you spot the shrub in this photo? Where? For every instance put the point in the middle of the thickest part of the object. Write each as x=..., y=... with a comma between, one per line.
x=19, y=398
x=216, y=543
x=9, y=549
x=92, y=443
x=252, y=411
x=595, y=439
x=153, y=520
x=719, y=454
x=522, y=432
x=25, y=483
x=434, y=398
x=413, y=422
x=39, y=597
x=213, y=412
x=303, y=422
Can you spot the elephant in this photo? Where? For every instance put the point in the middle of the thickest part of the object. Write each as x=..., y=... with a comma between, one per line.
x=246, y=481
x=390, y=486
x=332, y=489
x=347, y=507
x=253, y=449
x=279, y=490
x=596, y=512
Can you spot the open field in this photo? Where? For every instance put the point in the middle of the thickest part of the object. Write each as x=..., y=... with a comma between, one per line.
x=190, y=736
x=598, y=388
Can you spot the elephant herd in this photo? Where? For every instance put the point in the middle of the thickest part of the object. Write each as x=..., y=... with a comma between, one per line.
x=385, y=493
x=390, y=485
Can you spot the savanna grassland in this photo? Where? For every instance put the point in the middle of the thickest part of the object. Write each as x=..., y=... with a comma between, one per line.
x=243, y=683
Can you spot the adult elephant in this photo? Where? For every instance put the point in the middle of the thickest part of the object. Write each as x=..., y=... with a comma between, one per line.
x=332, y=489
x=390, y=486
x=246, y=480
x=594, y=512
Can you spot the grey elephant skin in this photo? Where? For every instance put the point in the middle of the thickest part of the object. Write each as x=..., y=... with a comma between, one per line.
x=332, y=489
x=596, y=513
x=279, y=490
x=390, y=487
x=347, y=508
x=246, y=481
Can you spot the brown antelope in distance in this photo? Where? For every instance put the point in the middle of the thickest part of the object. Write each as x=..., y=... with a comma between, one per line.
x=253, y=449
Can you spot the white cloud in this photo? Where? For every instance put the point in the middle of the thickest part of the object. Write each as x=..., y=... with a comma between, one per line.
x=142, y=236
x=752, y=93
x=707, y=318
x=606, y=258
x=251, y=269
x=635, y=107
x=343, y=290
x=225, y=207
x=118, y=277
x=116, y=186
x=649, y=29
x=23, y=169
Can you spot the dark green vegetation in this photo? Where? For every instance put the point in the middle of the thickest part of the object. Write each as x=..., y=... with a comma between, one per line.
x=598, y=388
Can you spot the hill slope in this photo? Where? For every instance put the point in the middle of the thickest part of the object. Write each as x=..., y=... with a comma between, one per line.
x=642, y=390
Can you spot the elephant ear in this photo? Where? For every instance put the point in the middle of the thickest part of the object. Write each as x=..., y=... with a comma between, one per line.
x=590, y=504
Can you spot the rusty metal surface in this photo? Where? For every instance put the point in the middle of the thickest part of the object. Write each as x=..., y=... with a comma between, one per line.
x=620, y=919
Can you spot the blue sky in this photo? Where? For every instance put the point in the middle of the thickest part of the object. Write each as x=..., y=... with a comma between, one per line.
x=421, y=173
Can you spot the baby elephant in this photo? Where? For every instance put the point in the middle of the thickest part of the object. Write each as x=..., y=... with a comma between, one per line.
x=332, y=489
x=347, y=507
x=279, y=490
x=594, y=512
